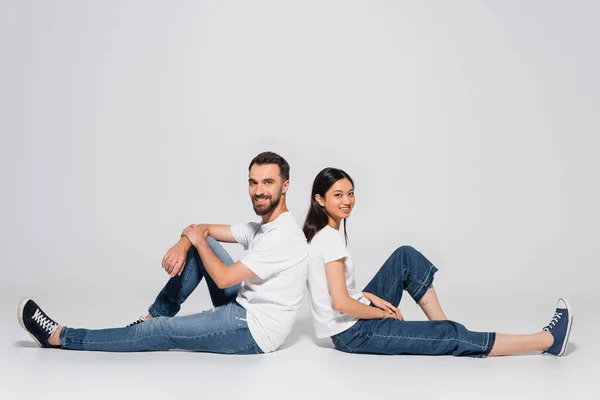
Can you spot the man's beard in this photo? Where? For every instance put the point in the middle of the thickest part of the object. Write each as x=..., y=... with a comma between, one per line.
x=266, y=210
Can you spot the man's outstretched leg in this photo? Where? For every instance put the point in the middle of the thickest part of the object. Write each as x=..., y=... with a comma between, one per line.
x=222, y=330
x=178, y=288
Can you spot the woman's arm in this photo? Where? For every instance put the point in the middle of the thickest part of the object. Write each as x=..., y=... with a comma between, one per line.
x=383, y=304
x=336, y=281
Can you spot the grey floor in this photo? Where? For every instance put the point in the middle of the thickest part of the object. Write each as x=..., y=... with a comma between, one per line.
x=304, y=367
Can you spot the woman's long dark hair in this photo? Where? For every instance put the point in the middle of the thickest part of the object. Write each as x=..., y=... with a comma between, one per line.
x=317, y=219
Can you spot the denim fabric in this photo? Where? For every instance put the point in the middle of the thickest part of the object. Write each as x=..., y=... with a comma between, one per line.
x=176, y=291
x=407, y=269
x=220, y=330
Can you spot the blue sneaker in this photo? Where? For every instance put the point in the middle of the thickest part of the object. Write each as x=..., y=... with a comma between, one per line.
x=560, y=327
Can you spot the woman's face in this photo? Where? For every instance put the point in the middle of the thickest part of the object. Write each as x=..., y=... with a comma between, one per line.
x=339, y=199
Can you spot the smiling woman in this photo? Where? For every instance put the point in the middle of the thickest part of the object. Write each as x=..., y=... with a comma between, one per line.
x=340, y=201
x=370, y=321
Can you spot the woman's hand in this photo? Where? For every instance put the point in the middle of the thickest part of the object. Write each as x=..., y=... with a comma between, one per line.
x=387, y=307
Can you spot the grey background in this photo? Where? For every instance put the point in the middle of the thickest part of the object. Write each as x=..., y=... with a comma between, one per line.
x=470, y=129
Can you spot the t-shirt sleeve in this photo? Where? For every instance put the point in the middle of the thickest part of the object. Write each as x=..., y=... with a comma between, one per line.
x=243, y=233
x=332, y=248
x=268, y=261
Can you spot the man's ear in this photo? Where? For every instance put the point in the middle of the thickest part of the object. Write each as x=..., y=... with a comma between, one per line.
x=285, y=187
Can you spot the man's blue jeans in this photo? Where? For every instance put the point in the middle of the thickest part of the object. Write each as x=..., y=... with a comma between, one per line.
x=221, y=330
x=407, y=269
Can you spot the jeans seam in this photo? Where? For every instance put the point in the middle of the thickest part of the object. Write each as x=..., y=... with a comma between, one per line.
x=247, y=346
x=154, y=312
x=67, y=337
x=187, y=278
x=163, y=334
x=387, y=292
x=422, y=284
x=345, y=345
x=421, y=338
x=183, y=283
x=490, y=338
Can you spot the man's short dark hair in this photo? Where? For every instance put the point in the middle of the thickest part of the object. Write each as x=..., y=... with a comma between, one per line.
x=268, y=157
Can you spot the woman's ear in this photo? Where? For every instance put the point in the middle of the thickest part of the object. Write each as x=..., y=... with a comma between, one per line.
x=320, y=200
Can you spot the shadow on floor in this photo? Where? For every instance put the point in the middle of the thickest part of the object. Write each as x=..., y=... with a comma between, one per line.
x=26, y=344
x=571, y=348
x=304, y=328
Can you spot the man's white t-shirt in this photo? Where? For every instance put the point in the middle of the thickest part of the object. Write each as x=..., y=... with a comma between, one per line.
x=326, y=246
x=278, y=257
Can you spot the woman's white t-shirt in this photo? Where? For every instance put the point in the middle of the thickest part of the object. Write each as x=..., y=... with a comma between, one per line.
x=326, y=246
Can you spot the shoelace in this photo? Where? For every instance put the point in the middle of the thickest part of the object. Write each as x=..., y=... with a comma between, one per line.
x=45, y=322
x=554, y=321
x=139, y=321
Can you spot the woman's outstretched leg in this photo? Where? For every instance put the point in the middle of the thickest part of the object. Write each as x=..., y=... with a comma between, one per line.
x=506, y=344
x=552, y=339
x=389, y=336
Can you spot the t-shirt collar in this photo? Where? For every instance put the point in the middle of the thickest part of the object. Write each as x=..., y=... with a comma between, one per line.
x=269, y=225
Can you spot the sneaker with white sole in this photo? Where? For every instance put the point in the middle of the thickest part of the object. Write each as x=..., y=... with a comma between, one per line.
x=36, y=322
x=138, y=321
x=560, y=327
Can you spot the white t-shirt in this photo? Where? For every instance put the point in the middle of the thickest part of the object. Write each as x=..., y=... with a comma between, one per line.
x=278, y=256
x=326, y=246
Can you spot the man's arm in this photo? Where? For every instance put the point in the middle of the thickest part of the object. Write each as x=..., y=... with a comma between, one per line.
x=224, y=276
x=221, y=233
x=174, y=261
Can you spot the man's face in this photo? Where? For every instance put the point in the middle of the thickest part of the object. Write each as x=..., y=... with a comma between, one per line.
x=265, y=187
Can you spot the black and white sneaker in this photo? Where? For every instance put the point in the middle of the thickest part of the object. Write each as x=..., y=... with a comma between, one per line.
x=138, y=321
x=36, y=322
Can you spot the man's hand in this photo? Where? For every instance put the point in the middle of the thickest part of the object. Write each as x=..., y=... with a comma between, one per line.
x=390, y=310
x=174, y=261
x=196, y=233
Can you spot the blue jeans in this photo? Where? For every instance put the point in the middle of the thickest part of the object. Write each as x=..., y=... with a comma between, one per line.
x=407, y=269
x=176, y=291
x=221, y=330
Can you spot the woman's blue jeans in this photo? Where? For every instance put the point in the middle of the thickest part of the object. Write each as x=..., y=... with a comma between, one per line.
x=407, y=269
